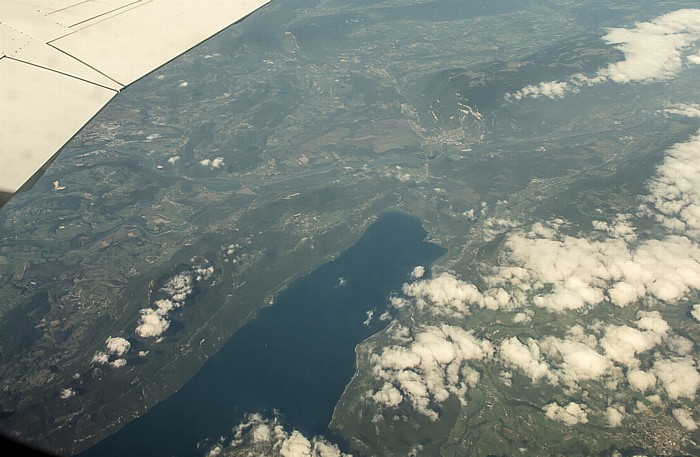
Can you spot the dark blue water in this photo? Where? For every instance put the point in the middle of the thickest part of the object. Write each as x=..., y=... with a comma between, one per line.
x=297, y=356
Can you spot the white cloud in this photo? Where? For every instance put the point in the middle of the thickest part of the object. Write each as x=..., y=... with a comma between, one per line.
x=527, y=358
x=117, y=346
x=154, y=322
x=216, y=163
x=621, y=227
x=679, y=377
x=653, y=322
x=694, y=58
x=579, y=362
x=494, y=226
x=549, y=89
x=615, y=415
x=680, y=345
x=173, y=160
x=675, y=190
x=388, y=395
x=179, y=286
x=101, y=358
x=296, y=445
x=684, y=109
x=203, y=273
x=562, y=272
x=214, y=451
x=567, y=361
x=117, y=363
x=445, y=294
x=151, y=323
x=570, y=415
x=418, y=272
x=641, y=380
x=267, y=437
x=623, y=343
x=695, y=312
x=65, y=394
x=523, y=317
x=430, y=366
x=685, y=418
x=653, y=51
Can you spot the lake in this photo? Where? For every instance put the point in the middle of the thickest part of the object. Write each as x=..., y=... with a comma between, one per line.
x=295, y=357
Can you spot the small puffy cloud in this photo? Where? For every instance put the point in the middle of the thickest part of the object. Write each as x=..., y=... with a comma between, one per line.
x=214, y=164
x=685, y=418
x=388, y=395
x=429, y=366
x=418, y=272
x=578, y=362
x=526, y=357
x=173, y=160
x=164, y=306
x=297, y=445
x=260, y=436
x=65, y=394
x=679, y=377
x=445, y=295
x=151, y=323
x=641, y=380
x=680, y=345
x=522, y=318
x=623, y=343
x=179, y=286
x=570, y=415
x=621, y=227
x=694, y=58
x=154, y=322
x=203, y=273
x=494, y=226
x=653, y=322
x=695, y=312
x=117, y=346
x=614, y=415
x=549, y=89
x=214, y=451
x=100, y=358
x=117, y=363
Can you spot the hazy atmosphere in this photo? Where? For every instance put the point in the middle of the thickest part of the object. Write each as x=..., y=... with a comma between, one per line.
x=373, y=228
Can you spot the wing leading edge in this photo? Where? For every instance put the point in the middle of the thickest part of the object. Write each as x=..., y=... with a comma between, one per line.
x=62, y=61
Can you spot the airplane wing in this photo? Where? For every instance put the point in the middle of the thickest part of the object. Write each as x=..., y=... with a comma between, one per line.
x=61, y=61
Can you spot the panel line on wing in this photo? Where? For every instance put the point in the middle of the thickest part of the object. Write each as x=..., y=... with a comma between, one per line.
x=66, y=74
x=105, y=13
x=109, y=15
x=68, y=7
x=89, y=66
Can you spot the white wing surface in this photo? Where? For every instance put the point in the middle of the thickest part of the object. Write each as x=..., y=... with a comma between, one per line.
x=61, y=61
